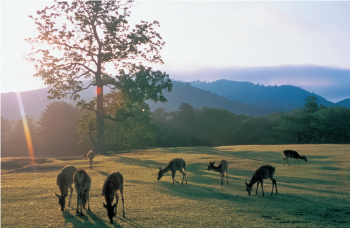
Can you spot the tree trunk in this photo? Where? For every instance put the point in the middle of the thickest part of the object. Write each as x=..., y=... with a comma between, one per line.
x=100, y=113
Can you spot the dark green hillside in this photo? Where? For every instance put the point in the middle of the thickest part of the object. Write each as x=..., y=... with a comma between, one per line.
x=282, y=97
x=198, y=98
x=344, y=103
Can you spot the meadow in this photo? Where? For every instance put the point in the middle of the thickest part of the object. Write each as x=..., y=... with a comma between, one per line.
x=314, y=194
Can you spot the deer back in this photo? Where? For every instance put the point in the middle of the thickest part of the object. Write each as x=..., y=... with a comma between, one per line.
x=265, y=171
x=82, y=181
x=113, y=183
x=177, y=164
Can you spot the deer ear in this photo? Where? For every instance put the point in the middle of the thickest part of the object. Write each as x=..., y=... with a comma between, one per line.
x=160, y=168
x=246, y=183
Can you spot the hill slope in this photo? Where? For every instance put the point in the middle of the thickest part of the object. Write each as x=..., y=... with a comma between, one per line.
x=198, y=98
x=281, y=97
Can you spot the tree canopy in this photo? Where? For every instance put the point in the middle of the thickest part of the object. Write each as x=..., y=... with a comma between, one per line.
x=83, y=41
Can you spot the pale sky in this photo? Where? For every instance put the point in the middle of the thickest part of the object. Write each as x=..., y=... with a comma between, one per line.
x=202, y=35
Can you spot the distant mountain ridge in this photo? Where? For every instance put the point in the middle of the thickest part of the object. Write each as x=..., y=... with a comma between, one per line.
x=285, y=97
x=237, y=97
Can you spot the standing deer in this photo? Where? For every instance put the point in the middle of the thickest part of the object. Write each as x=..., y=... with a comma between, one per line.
x=292, y=154
x=91, y=156
x=265, y=171
x=175, y=164
x=82, y=182
x=113, y=183
x=65, y=181
x=222, y=168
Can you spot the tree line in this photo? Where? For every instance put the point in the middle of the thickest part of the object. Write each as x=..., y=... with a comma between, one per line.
x=217, y=127
x=64, y=130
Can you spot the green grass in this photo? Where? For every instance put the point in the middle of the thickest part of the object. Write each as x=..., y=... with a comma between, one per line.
x=314, y=194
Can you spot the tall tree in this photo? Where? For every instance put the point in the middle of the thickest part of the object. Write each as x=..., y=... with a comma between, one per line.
x=83, y=39
x=58, y=125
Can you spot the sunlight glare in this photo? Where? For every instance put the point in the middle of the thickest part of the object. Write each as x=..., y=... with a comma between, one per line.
x=25, y=127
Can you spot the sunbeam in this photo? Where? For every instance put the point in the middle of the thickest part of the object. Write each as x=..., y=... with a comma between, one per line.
x=25, y=127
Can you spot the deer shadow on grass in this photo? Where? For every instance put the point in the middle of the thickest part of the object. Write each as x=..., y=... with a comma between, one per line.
x=83, y=221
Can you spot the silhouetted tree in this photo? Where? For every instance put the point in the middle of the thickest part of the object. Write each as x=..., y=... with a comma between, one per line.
x=82, y=39
x=58, y=129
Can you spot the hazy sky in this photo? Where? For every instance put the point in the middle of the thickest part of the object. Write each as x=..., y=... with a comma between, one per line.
x=208, y=35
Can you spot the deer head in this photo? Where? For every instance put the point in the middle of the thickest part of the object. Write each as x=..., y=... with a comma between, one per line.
x=249, y=188
x=304, y=158
x=110, y=211
x=210, y=166
x=62, y=200
x=160, y=173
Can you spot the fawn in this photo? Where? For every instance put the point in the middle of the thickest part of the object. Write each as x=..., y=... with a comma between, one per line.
x=265, y=171
x=91, y=156
x=292, y=154
x=65, y=181
x=175, y=164
x=82, y=182
x=222, y=168
x=113, y=183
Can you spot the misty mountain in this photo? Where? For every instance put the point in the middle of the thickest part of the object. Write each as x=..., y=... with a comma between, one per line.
x=198, y=98
x=344, y=103
x=284, y=97
x=237, y=97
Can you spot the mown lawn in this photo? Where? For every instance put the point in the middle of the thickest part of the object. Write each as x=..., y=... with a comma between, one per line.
x=314, y=194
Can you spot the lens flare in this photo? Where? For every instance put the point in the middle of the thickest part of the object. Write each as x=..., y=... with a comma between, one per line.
x=25, y=127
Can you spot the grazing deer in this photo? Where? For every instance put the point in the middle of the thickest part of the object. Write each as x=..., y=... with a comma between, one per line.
x=113, y=183
x=292, y=154
x=222, y=168
x=175, y=164
x=65, y=181
x=82, y=182
x=265, y=171
x=91, y=156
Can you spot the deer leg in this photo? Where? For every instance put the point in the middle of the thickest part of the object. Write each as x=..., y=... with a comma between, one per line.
x=116, y=201
x=298, y=162
x=88, y=198
x=257, y=186
x=183, y=176
x=287, y=161
x=262, y=188
x=221, y=177
x=121, y=193
x=173, y=176
x=227, y=177
x=275, y=182
x=71, y=192
x=283, y=161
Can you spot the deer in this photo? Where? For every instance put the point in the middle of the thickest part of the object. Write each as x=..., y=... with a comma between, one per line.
x=292, y=154
x=65, y=181
x=265, y=171
x=91, y=156
x=222, y=169
x=173, y=165
x=82, y=183
x=113, y=183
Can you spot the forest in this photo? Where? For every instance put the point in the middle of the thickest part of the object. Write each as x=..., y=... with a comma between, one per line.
x=64, y=130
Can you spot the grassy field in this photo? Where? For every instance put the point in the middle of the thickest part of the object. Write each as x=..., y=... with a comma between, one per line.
x=314, y=194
